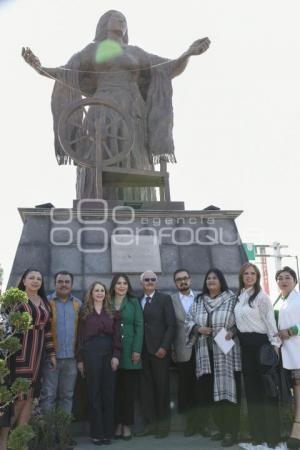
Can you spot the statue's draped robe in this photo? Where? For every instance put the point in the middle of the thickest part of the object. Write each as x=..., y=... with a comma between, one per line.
x=150, y=97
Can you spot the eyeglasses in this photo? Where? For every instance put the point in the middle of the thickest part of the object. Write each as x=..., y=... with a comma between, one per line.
x=149, y=279
x=177, y=280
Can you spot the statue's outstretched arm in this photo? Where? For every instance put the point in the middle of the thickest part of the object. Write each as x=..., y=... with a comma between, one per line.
x=197, y=48
x=35, y=63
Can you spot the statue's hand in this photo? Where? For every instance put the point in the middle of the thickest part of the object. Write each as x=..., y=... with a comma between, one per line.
x=200, y=46
x=31, y=59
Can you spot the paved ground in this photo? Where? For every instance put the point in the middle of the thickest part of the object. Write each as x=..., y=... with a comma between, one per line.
x=176, y=441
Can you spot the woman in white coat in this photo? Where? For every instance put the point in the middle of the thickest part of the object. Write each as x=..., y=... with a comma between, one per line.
x=289, y=332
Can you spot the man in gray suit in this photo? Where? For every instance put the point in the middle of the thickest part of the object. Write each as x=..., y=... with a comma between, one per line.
x=184, y=355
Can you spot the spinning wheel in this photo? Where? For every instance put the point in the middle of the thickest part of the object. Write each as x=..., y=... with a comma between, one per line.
x=95, y=133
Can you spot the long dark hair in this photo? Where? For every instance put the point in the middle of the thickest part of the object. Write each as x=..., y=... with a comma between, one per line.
x=256, y=287
x=41, y=291
x=221, y=278
x=114, y=282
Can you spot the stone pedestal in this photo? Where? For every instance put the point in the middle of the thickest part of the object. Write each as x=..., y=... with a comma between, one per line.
x=94, y=239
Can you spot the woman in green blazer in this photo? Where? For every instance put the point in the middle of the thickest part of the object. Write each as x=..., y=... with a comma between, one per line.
x=132, y=332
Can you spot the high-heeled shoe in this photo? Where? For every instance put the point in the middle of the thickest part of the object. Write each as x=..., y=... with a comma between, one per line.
x=118, y=436
x=293, y=443
x=216, y=436
x=126, y=433
x=118, y=432
x=127, y=438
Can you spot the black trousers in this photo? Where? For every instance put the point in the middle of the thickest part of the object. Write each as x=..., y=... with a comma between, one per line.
x=263, y=412
x=126, y=388
x=155, y=392
x=101, y=385
x=226, y=415
x=187, y=392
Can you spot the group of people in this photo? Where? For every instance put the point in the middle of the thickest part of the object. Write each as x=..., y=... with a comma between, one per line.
x=248, y=320
x=124, y=345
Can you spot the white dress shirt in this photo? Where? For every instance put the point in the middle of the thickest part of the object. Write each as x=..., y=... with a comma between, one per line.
x=143, y=302
x=257, y=318
x=187, y=300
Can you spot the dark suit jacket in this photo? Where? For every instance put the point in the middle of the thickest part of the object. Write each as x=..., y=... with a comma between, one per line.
x=159, y=323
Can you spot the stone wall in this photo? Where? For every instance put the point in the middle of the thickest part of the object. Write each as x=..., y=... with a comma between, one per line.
x=80, y=242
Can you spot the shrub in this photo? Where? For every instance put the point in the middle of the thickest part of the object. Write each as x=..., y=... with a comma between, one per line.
x=20, y=437
x=12, y=323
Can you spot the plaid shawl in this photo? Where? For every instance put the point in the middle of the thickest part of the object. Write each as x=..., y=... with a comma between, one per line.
x=221, y=314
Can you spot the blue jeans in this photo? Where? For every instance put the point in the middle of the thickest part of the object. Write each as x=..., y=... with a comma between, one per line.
x=58, y=385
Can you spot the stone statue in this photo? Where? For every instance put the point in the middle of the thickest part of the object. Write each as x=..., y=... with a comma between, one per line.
x=138, y=82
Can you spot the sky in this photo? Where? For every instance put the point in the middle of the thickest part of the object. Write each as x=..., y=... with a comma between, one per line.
x=236, y=107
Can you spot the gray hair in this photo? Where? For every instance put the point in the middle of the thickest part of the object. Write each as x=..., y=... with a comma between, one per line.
x=147, y=271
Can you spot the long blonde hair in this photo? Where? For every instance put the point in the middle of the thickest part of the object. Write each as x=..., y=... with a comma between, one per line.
x=88, y=307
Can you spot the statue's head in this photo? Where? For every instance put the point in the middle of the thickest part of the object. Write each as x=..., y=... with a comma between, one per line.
x=111, y=21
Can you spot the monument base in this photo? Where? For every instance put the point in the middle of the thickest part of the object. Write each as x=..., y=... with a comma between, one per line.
x=93, y=243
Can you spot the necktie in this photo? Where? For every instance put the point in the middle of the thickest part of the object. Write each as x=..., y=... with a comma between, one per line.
x=148, y=301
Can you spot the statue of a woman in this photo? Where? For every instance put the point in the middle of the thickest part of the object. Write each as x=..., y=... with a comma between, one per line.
x=139, y=82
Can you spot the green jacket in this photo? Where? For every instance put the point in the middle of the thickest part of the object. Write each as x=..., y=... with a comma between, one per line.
x=132, y=332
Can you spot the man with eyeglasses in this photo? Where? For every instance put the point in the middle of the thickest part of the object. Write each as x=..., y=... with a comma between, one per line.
x=184, y=355
x=159, y=330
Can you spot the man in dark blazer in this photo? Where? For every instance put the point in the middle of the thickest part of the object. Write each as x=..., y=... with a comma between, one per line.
x=159, y=330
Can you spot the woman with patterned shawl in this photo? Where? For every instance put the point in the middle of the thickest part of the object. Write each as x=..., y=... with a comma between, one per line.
x=218, y=373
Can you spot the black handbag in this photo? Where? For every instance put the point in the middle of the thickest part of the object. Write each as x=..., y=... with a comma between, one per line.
x=271, y=383
x=268, y=356
x=269, y=360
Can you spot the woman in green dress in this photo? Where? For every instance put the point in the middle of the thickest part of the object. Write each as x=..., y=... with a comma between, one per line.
x=131, y=314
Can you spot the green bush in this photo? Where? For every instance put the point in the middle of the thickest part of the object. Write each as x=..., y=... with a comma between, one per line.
x=12, y=323
x=20, y=437
x=51, y=431
x=12, y=298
